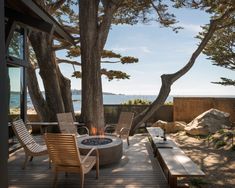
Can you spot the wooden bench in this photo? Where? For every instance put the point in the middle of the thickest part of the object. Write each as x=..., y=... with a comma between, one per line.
x=174, y=162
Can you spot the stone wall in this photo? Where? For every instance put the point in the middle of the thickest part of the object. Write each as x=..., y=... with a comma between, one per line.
x=187, y=108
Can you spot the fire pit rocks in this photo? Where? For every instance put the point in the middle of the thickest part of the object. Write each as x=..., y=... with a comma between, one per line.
x=110, y=148
x=96, y=141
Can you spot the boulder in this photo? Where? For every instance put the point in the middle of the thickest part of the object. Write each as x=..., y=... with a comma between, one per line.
x=208, y=122
x=170, y=127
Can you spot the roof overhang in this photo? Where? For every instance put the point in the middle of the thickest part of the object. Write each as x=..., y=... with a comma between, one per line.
x=28, y=12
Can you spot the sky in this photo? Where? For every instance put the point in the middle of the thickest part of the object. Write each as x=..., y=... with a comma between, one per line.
x=160, y=51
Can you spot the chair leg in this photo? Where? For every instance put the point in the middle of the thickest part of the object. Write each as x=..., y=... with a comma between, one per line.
x=82, y=179
x=97, y=169
x=25, y=161
x=128, y=142
x=49, y=163
x=55, y=179
x=31, y=158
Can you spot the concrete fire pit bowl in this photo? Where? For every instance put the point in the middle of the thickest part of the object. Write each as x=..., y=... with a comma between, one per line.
x=110, y=148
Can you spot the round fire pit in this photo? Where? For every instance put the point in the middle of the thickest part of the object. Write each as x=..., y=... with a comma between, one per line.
x=110, y=148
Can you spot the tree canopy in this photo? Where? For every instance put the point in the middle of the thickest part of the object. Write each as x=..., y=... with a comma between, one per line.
x=90, y=27
x=221, y=48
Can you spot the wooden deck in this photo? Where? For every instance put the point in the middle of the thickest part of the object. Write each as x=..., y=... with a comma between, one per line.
x=137, y=168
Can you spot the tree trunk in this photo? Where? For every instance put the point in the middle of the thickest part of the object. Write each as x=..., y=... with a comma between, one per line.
x=58, y=97
x=36, y=96
x=93, y=35
x=169, y=79
x=65, y=87
x=57, y=88
x=92, y=99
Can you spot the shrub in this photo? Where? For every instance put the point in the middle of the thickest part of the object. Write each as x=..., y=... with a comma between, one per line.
x=221, y=131
x=197, y=182
x=220, y=144
x=137, y=102
x=169, y=103
x=233, y=148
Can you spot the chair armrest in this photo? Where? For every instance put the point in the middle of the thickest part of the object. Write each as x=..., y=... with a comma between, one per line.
x=124, y=130
x=89, y=153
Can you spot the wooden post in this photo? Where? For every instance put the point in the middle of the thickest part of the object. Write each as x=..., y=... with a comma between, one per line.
x=172, y=181
x=24, y=78
x=3, y=102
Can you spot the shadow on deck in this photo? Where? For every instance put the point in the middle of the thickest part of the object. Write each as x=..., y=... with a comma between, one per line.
x=137, y=168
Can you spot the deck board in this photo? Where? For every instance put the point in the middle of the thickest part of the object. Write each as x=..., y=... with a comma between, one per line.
x=137, y=168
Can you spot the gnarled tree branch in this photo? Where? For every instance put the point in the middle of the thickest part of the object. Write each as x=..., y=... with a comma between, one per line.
x=169, y=79
x=68, y=61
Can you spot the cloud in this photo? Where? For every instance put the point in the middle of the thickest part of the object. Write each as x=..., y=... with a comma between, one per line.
x=140, y=49
x=195, y=28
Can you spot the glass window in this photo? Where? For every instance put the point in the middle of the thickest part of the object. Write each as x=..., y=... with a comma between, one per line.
x=16, y=46
x=15, y=92
x=15, y=74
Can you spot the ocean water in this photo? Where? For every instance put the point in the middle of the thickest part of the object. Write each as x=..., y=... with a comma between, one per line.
x=107, y=99
x=117, y=99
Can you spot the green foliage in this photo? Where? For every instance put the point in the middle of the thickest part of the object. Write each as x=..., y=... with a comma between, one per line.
x=111, y=74
x=132, y=11
x=77, y=74
x=110, y=54
x=129, y=12
x=220, y=49
x=220, y=143
x=128, y=59
x=198, y=182
x=137, y=102
x=221, y=138
x=16, y=45
x=212, y=7
x=168, y=103
x=233, y=148
x=225, y=82
x=221, y=131
x=74, y=52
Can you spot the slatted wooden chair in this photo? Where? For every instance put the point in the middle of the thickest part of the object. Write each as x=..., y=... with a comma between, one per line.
x=31, y=147
x=65, y=156
x=66, y=124
x=122, y=128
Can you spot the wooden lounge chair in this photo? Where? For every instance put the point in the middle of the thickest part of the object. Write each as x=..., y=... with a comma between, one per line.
x=65, y=156
x=31, y=147
x=122, y=128
x=66, y=124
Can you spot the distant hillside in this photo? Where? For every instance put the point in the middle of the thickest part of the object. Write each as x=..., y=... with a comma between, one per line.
x=74, y=92
x=78, y=92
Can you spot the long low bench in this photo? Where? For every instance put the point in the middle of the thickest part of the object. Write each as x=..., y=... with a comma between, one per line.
x=174, y=162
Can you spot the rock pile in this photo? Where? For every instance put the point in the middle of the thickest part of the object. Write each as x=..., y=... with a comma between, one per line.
x=204, y=124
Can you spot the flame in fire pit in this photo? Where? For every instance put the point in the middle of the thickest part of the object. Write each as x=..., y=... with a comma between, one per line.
x=94, y=131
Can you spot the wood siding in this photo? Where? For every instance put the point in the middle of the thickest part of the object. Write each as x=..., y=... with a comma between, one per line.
x=187, y=108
